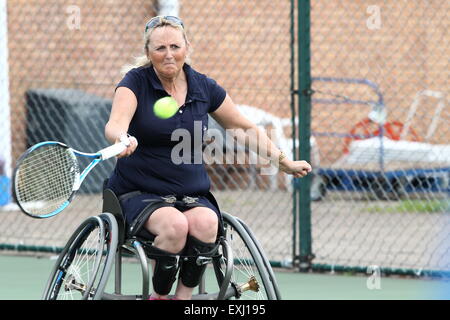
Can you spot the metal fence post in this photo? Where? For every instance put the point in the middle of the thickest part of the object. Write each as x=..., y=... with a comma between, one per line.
x=304, y=131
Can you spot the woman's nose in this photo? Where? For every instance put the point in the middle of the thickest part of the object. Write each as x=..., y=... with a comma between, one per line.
x=169, y=53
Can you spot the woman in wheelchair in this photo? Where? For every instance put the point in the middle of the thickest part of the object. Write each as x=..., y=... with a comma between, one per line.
x=163, y=198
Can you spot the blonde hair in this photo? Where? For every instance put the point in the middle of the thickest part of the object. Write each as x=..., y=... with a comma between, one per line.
x=143, y=60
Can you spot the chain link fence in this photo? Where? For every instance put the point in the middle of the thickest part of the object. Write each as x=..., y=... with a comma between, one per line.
x=64, y=62
x=380, y=117
x=379, y=68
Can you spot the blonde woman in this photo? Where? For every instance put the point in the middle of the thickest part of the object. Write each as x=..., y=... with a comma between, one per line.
x=169, y=202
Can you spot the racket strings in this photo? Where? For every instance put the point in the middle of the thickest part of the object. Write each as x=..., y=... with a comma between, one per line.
x=46, y=178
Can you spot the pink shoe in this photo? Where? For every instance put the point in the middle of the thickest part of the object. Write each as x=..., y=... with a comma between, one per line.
x=153, y=298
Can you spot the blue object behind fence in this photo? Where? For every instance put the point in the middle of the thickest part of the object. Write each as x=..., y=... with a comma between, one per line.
x=5, y=190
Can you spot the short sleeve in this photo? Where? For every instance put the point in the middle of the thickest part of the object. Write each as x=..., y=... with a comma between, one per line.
x=131, y=81
x=216, y=93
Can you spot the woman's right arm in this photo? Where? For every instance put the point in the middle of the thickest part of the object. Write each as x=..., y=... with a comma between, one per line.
x=123, y=108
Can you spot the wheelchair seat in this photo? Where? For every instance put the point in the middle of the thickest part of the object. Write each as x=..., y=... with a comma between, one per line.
x=111, y=204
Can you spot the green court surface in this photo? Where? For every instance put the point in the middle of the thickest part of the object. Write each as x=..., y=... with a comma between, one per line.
x=24, y=278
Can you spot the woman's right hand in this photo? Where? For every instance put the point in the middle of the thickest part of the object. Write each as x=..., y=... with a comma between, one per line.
x=131, y=147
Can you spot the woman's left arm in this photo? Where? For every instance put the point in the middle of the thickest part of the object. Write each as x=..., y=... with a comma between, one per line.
x=229, y=117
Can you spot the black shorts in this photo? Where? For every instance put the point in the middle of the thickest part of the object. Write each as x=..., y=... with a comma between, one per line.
x=137, y=208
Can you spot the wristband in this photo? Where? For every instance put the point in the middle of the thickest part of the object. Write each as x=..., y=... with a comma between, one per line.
x=281, y=157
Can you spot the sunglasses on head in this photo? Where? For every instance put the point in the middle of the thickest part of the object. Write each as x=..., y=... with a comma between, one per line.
x=155, y=21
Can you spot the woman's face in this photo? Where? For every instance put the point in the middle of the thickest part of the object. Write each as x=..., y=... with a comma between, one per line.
x=167, y=51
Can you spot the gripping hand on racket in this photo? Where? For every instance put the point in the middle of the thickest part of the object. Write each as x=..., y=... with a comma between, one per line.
x=132, y=145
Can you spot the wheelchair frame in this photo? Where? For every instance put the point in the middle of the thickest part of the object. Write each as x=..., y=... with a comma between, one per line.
x=109, y=233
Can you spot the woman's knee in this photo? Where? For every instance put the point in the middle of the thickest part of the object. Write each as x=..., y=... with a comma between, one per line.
x=168, y=223
x=203, y=223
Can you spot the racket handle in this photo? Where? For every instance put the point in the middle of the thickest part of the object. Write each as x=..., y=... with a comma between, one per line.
x=115, y=149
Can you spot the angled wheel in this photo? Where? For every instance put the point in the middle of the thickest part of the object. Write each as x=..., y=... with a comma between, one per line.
x=250, y=274
x=264, y=258
x=82, y=268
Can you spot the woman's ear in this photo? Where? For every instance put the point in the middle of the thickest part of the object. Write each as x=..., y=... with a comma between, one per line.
x=188, y=50
x=188, y=47
x=147, y=52
x=147, y=48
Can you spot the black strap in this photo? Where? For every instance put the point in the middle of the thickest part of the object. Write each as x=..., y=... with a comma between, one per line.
x=129, y=195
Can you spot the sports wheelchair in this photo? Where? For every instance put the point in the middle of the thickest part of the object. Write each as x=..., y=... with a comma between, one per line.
x=240, y=267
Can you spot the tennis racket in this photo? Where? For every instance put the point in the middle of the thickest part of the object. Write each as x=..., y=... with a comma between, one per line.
x=48, y=175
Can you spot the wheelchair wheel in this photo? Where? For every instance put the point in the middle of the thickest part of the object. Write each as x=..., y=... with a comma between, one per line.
x=82, y=268
x=264, y=259
x=250, y=274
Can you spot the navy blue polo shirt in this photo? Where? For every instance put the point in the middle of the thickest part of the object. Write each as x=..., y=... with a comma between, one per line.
x=151, y=167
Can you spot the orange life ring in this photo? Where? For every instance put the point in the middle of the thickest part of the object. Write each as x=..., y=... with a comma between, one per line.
x=391, y=130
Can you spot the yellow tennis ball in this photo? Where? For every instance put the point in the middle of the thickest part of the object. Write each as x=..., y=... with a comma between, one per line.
x=165, y=107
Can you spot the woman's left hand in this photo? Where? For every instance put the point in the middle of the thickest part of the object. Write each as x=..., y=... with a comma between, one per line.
x=298, y=169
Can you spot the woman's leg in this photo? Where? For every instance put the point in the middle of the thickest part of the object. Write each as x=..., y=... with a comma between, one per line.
x=202, y=229
x=170, y=227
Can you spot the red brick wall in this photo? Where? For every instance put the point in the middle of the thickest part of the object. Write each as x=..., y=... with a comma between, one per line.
x=45, y=51
x=244, y=45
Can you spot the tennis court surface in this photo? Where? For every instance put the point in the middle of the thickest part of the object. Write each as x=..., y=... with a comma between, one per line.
x=24, y=278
